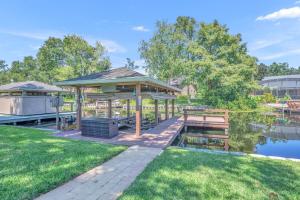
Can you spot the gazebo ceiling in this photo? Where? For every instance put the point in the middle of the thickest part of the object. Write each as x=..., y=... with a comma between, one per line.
x=118, y=76
x=128, y=95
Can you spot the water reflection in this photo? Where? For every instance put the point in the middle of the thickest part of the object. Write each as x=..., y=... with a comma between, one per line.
x=272, y=134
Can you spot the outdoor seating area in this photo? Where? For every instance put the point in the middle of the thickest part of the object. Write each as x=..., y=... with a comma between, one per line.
x=120, y=84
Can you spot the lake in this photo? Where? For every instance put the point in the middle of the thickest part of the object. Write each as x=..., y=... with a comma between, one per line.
x=272, y=134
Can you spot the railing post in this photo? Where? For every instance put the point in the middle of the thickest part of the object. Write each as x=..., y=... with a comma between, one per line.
x=226, y=116
x=185, y=116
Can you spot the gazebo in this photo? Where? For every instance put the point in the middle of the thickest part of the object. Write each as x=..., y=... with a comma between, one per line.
x=123, y=83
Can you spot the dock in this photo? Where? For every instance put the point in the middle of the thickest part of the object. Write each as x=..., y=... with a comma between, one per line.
x=160, y=136
x=14, y=119
x=206, y=118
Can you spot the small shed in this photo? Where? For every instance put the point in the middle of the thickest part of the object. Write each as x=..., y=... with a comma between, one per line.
x=27, y=98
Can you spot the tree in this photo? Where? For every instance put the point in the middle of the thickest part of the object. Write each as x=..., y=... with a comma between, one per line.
x=131, y=64
x=275, y=69
x=50, y=56
x=205, y=55
x=24, y=70
x=84, y=58
x=72, y=56
x=4, y=78
x=262, y=71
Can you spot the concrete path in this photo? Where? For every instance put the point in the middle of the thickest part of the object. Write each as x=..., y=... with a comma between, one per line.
x=108, y=180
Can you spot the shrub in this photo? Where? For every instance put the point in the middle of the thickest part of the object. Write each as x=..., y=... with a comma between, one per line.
x=268, y=98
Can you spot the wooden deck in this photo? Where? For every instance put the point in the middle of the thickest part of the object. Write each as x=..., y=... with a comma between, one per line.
x=160, y=136
x=206, y=118
x=14, y=119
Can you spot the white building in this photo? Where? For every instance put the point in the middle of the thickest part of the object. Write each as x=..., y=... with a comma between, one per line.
x=283, y=85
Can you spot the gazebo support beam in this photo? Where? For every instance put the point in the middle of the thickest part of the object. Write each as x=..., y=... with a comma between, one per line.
x=78, y=113
x=128, y=108
x=57, y=113
x=109, y=108
x=138, y=110
x=167, y=108
x=156, y=111
x=173, y=107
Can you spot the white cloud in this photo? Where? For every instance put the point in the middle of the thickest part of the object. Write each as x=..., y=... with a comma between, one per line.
x=140, y=28
x=281, y=54
x=284, y=13
x=110, y=45
x=33, y=35
x=261, y=44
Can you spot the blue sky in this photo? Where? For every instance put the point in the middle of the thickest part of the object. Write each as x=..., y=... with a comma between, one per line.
x=271, y=28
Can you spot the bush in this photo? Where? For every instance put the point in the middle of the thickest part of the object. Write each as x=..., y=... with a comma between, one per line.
x=242, y=103
x=268, y=98
x=182, y=99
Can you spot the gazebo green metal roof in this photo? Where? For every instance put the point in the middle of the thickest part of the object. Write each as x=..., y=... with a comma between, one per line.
x=114, y=77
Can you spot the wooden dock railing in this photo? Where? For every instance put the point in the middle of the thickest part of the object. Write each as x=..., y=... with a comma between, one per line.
x=210, y=118
x=293, y=105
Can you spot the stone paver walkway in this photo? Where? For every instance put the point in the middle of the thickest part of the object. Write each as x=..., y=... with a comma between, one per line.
x=108, y=180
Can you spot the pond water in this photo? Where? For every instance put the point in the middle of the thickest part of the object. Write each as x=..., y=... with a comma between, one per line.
x=272, y=134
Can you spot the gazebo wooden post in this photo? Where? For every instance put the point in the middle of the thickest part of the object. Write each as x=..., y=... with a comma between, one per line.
x=57, y=113
x=128, y=108
x=78, y=113
x=109, y=108
x=138, y=110
x=173, y=107
x=167, y=108
x=156, y=111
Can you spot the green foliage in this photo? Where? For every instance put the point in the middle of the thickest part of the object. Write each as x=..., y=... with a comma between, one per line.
x=183, y=174
x=4, y=78
x=268, y=98
x=131, y=64
x=204, y=55
x=287, y=97
x=82, y=57
x=32, y=162
x=275, y=69
x=24, y=70
x=182, y=100
x=59, y=59
x=242, y=103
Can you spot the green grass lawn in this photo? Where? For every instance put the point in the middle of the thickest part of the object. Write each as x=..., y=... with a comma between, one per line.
x=33, y=162
x=181, y=174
